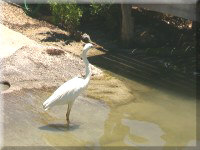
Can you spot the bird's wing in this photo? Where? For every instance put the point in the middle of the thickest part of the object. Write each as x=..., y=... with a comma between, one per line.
x=69, y=86
x=65, y=92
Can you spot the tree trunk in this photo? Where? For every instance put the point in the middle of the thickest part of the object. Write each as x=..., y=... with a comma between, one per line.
x=127, y=25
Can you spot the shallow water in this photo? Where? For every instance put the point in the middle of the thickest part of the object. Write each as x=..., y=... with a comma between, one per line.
x=156, y=118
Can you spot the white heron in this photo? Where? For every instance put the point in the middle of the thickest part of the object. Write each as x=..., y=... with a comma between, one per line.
x=70, y=90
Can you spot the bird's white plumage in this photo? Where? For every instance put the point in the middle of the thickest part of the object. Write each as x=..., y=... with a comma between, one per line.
x=70, y=90
x=66, y=93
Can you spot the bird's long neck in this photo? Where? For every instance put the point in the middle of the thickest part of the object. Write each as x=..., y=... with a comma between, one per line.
x=87, y=66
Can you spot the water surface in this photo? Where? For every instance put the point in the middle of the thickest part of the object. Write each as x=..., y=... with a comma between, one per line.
x=154, y=118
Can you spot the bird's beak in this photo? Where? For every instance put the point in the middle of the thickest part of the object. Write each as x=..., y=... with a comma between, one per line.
x=95, y=45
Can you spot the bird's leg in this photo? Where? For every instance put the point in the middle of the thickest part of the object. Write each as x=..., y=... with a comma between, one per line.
x=68, y=112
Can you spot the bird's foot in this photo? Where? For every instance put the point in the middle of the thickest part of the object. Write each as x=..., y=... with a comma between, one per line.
x=68, y=122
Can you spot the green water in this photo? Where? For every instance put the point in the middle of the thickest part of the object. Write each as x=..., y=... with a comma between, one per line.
x=155, y=118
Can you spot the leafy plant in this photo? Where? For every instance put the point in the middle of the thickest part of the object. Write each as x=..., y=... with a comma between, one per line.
x=99, y=9
x=67, y=15
x=104, y=15
x=71, y=15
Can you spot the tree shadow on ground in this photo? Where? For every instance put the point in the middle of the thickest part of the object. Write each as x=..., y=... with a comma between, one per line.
x=57, y=37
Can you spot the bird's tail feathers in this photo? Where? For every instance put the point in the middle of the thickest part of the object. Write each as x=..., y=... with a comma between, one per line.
x=49, y=103
x=45, y=106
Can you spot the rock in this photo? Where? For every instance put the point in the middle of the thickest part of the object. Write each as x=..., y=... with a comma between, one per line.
x=11, y=41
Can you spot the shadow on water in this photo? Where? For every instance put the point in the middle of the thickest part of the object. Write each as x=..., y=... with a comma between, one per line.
x=170, y=71
x=59, y=127
x=146, y=70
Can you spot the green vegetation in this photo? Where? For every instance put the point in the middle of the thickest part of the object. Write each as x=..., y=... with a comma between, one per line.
x=71, y=15
x=68, y=15
x=108, y=15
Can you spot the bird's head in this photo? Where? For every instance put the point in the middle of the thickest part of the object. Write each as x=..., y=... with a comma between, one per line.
x=87, y=47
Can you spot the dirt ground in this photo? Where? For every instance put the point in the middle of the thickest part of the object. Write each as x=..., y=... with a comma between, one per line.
x=40, y=31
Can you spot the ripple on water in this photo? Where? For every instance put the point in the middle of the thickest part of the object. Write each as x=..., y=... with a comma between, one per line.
x=143, y=133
